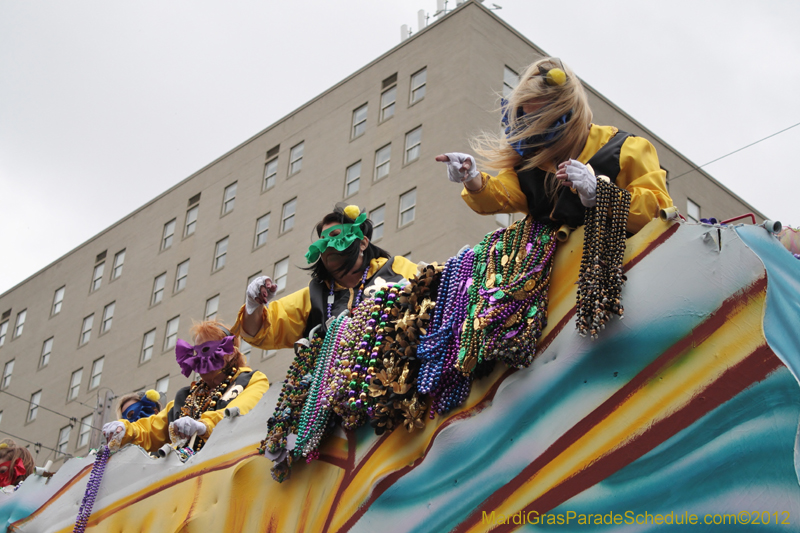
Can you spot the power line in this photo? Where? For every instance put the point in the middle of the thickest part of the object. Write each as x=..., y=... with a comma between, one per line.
x=738, y=150
x=36, y=444
x=72, y=419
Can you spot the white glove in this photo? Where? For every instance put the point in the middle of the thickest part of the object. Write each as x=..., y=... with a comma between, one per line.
x=455, y=161
x=188, y=426
x=112, y=428
x=255, y=296
x=583, y=181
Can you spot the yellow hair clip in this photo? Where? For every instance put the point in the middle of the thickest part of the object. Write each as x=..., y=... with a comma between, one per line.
x=352, y=211
x=556, y=76
x=3, y=445
x=152, y=395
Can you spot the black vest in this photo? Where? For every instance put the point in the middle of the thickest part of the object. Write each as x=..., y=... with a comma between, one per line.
x=239, y=384
x=319, y=292
x=568, y=209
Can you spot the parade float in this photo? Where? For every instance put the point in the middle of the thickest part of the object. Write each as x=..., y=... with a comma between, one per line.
x=445, y=406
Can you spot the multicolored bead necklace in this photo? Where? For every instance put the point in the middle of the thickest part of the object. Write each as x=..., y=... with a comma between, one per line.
x=357, y=299
x=600, y=280
x=202, y=398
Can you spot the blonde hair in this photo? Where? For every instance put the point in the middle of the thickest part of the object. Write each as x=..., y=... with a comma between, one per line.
x=496, y=151
x=212, y=330
x=10, y=451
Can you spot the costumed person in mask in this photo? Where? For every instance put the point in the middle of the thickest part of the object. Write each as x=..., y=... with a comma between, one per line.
x=16, y=463
x=225, y=381
x=551, y=153
x=345, y=266
x=136, y=405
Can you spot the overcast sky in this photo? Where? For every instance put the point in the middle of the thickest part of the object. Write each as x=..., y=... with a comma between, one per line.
x=104, y=105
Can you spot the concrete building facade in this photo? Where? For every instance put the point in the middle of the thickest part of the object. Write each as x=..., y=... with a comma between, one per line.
x=101, y=321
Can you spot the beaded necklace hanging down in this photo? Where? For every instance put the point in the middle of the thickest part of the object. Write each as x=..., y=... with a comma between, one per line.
x=202, y=398
x=507, y=308
x=357, y=298
x=601, y=278
x=92, y=487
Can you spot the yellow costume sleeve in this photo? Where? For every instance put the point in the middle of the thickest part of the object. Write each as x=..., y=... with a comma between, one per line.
x=283, y=322
x=246, y=400
x=150, y=433
x=642, y=176
x=404, y=267
x=499, y=194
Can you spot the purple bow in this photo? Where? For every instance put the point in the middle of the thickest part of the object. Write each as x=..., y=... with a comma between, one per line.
x=203, y=358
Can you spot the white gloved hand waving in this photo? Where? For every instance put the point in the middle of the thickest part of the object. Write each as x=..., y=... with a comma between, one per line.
x=259, y=292
x=460, y=167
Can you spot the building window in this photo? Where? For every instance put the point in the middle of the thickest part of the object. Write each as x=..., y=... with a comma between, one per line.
x=377, y=216
x=413, y=142
x=171, y=333
x=382, y=159
x=418, y=86
x=33, y=407
x=352, y=177
x=85, y=431
x=408, y=205
x=3, y=332
x=58, y=299
x=47, y=349
x=7, y=371
x=262, y=228
x=158, y=288
x=287, y=215
x=147, y=345
x=181, y=275
x=270, y=173
x=251, y=278
x=693, y=210
x=191, y=221
x=388, y=98
x=75, y=384
x=97, y=276
x=20, y=323
x=280, y=273
x=162, y=385
x=296, y=159
x=220, y=252
x=503, y=219
x=268, y=354
x=119, y=260
x=86, y=329
x=359, y=121
x=510, y=80
x=169, y=233
x=97, y=373
x=63, y=440
x=108, y=316
x=229, y=198
x=212, y=306
x=245, y=348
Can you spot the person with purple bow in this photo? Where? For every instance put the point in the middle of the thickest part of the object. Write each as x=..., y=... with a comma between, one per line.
x=225, y=381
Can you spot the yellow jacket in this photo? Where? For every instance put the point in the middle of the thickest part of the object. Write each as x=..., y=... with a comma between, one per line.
x=639, y=173
x=284, y=320
x=152, y=433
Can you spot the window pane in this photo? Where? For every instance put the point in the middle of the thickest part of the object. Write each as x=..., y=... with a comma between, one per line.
x=510, y=80
x=287, y=219
x=58, y=298
x=377, y=218
x=85, y=431
x=281, y=273
x=108, y=316
x=212, y=306
x=181, y=275
x=220, y=253
x=382, y=159
x=413, y=141
x=119, y=260
x=229, y=198
x=20, y=322
x=97, y=276
x=147, y=345
x=270, y=171
x=3, y=332
x=171, y=333
x=75, y=384
x=503, y=219
x=418, y=85
x=169, y=232
x=158, y=288
x=352, y=178
x=97, y=372
x=33, y=407
x=296, y=159
x=693, y=210
x=162, y=385
x=407, y=206
x=47, y=348
x=191, y=221
x=86, y=329
x=8, y=369
x=63, y=439
x=387, y=103
x=262, y=228
x=359, y=120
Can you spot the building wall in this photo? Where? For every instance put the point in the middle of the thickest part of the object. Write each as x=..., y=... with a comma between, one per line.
x=464, y=54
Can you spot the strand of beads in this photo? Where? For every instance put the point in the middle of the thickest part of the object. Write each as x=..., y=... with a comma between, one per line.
x=357, y=298
x=600, y=279
x=314, y=417
x=293, y=394
x=92, y=487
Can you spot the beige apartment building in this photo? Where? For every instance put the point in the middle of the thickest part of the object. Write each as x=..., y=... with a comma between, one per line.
x=102, y=320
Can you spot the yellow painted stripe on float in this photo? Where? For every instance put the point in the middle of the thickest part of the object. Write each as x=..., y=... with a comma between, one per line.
x=668, y=391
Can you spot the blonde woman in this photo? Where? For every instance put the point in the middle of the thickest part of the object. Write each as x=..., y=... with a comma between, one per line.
x=550, y=154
